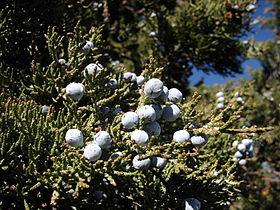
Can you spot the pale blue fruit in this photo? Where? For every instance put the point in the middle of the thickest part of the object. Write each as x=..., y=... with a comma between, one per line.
x=74, y=137
x=164, y=95
x=103, y=139
x=242, y=162
x=158, y=162
x=93, y=68
x=147, y=113
x=181, y=136
x=153, y=88
x=75, y=90
x=192, y=204
x=86, y=46
x=140, y=136
x=153, y=128
x=130, y=120
x=115, y=155
x=238, y=154
x=175, y=95
x=170, y=113
x=199, y=140
x=45, y=109
x=241, y=147
x=92, y=152
x=158, y=110
x=140, y=80
x=141, y=164
x=113, y=83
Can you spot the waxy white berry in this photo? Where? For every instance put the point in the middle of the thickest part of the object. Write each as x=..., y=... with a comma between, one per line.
x=130, y=120
x=181, y=136
x=220, y=99
x=247, y=142
x=103, y=139
x=140, y=80
x=242, y=162
x=93, y=68
x=92, y=152
x=175, y=95
x=235, y=143
x=240, y=100
x=220, y=105
x=219, y=94
x=74, y=137
x=199, y=140
x=153, y=88
x=158, y=110
x=153, y=128
x=147, y=113
x=75, y=90
x=170, y=113
x=158, y=162
x=61, y=61
x=140, y=136
x=192, y=204
x=113, y=82
x=129, y=76
x=241, y=147
x=141, y=164
x=164, y=95
x=115, y=155
x=45, y=109
x=86, y=46
x=238, y=154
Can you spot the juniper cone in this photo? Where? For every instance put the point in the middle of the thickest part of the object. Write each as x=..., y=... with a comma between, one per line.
x=75, y=90
x=247, y=142
x=92, y=152
x=140, y=80
x=241, y=147
x=220, y=105
x=141, y=164
x=158, y=162
x=153, y=88
x=153, y=129
x=93, y=68
x=181, y=136
x=199, y=140
x=238, y=154
x=158, y=111
x=147, y=113
x=74, y=137
x=113, y=82
x=140, y=136
x=103, y=139
x=130, y=120
x=164, y=95
x=86, y=46
x=115, y=155
x=220, y=99
x=171, y=113
x=242, y=162
x=175, y=95
x=129, y=76
x=192, y=204
x=235, y=143
x=219, y=94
